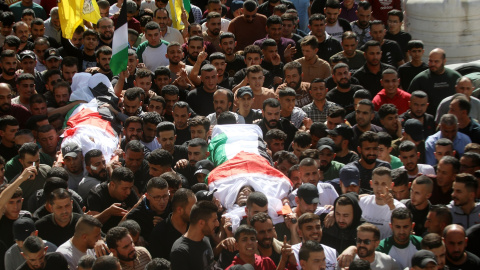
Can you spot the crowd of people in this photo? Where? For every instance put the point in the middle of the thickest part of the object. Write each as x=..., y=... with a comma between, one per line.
x=382, y=149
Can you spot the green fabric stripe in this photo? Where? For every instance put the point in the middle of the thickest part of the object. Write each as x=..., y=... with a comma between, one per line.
x=119, y=61
x=186, y=5
x=217, y=149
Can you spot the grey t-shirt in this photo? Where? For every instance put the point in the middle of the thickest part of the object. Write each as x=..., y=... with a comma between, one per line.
x=382, y=261
x=72, y=254
x=13, y=258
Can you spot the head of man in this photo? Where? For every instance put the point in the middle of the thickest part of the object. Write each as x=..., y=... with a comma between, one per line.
x=255, y=78
x=409, y=156
x=326, y=153
x=61, y=203
x=418, y=104
x=20, y=29
x=106, y=262
x=214, y=23
x=204, y=217
x=228, y=43
x=171, y=94
x=275, y=140
x=105, y=29
x=464, y=86
x=390, y=82
x=307, y=199
x=263, y=224
x=28, y=62
x=318, y=90
x=134, y=155
x=181, y=113
x=38, y=104
x=368, y=147
x=182, y=203
x=437, y=60
x=433, y=242
x=341, y=135
x=274, y=27
x=364, y=14
x=349, y=43
x=194, y=47
x=8, y=127
x=8, y=62
x=133, y=128
x=104, y=55
x=121, y=244
x=464, y=190
x=344, y=212
x=377, y=30
x=253, y=55
x=401, y=225
x=143, y=79
x=249, y=10
x=159, y=162
x=368, y=239
x=158, y=194
x=132, y=101
x=449, y=126
x=271, y=113
x=69, y=68
x=424, y=260
x=61, y=93
x=96, y=165
x=421, y=191
x=349, y=179
x=34, y=251
x=309, y=227
x=470, y=162
x=312, y=256
x=90, y=40
x=7, y=19
x=209, y=78
x=72, y=157
x=197, y=150
x=150, y=122
x=293, y=74
x=174, y=53
x=364, y=113
x=121, y=183
x=443, y=147
x=246, y=241
x=222, y=100
x=455, y=241
x=199, y=127
x=301, y=142
x=401, y=184
x=381, y=183
x=257, y=202
x=77, y=38
x=342, y=75
x=447, y=168
x=309, y=47
x=332, y=11
x=269, y=50
x=48, y=138
x=157, y=105
x=373, y=51
x=88, y=231
x=309, y=172
x=14, y=204
x=166, y=135
x=438, y=218
x=161, y=17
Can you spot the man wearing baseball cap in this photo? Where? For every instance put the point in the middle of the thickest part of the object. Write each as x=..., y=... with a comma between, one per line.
x=244, y=99
x=202, y=169
x=28, y=61
x=52, y=59
x=342, y=135
x=22, y=228
x=328, y=166
x=350, y=180
x=424, y=259
x=73, y=163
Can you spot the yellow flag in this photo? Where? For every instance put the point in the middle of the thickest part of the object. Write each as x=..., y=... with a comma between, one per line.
x=73, y=12
x=176, y=7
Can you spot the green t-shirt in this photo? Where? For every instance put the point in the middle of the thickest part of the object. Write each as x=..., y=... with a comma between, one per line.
x=333, y=172
x=395, y=162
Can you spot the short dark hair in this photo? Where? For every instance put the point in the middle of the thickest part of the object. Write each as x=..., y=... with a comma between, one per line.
x=451, y=161
x=396, y=12
x=386, y=110
x=252, y=49
x=368, y=227
x=132, y=119
x=105, y=263
x=384, y=139
x=316, y=17
x=307, y=218
x=400, y=177
x=158, y=264
x=7, y=120
x=152, y=26
x=132, y=226
x=91, y=154
x=368, y=136
x=152, y=118
x=165, y=126
x=58, y=194
x=114, y=235
x=245, y=229
x=371, y=43
x=157, y=182
x=160, y=157
x=302, y=138
x=28, y=148
x=275, y=134
x=401, y=213
x=271, y=102
x=470, y=182
x=286, y=92
x=363, y=94
x=407, y=146
x=33, y=244
x=199, y=121
x=260, y=217
x=431, y=241
x=442, y=212
x=415, y=44
x=180, y=198
x=257, y=198
x=202, y=211
x=307, y=248
x=103, y=50
x=57, y=172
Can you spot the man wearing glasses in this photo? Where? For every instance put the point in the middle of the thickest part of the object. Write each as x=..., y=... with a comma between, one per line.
x=154, y=206
x=105, y=29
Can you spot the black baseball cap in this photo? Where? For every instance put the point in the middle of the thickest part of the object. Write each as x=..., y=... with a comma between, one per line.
x=27, y=54
x=309, y=193
x=244, y=90
x=51, y=53
x=203, y=195
x=326, y=143
x=422, y=257
x=204, y=166
x=343, y=130
x=23, y=228
x=414, y=128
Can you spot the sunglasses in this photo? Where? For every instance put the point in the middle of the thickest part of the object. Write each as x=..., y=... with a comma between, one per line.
x=365, y=241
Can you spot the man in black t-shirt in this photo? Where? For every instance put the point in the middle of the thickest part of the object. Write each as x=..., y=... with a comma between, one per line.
x=166, y=136
x=418, y=204
x=455, y=241
x=194, y=244
x=36, y=257
x=113, y=199
x=391, y=52
x=181, y=113
x=342, y=94
x=8, y=127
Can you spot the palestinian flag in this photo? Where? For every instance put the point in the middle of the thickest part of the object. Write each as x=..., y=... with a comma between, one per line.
x=228, y=140
x=119, y=60
x=253, y=170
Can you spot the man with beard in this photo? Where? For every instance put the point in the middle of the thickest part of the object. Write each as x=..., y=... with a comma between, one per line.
x=168, y=33
x=455, y=241
x=73, y=164
x=286, y=46
x=343, y=93
x=153, y=208
x=465, y=211
x=320, y=106
x=201, y=98
x=464, y=86
x=388, y=114
x=134, y=159
x=20, y=29
x=25, y=88
x=173, y=226
x=194, y=244
x=58, y=226
x=418, y=204
x=61, y=93
x=166, y=136
x=178, y=69
x=347, y=217
x=235, y=61
x=105, y=28
x=241, y=25
x=195, y=45
x=355, y=58
x=103, y=55
x=271, y=119
x=329, y=167
x=255, y=78
x=132, y=102
x=391, y=93
x=197, y=150
x=310, y=228
x=8, y=129
x=181, y=112
x=313, y=66
x=402, y=245
x=120, y=243
x=361, y=27
x=97, y=172
x=212, y=34
x=253, y=56
x=368, y=150
x=293, y=79
x=437, y=81
x=341, y=135
x=409, y=156
x=132, y=129
x=364, y=114
x=152, y=51
x=335, y=26
x=391, y=51
x=36, y=257
x=8, y=63
x=222, y=101
x=434, y=243
x=111, y=201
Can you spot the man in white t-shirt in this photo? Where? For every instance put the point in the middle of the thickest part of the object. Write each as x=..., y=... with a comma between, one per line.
x=87, y=233
x=409, y=156
x=377, y=208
